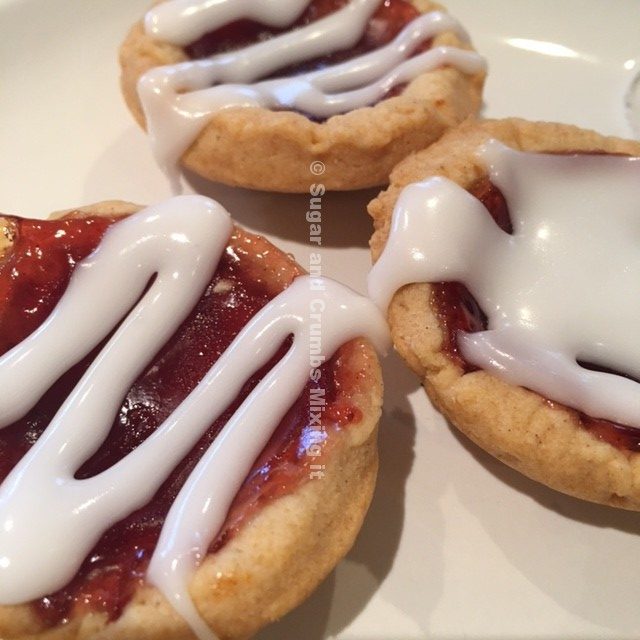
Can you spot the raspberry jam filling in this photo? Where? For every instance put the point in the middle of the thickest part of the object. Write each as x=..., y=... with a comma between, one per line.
x=33, y=277
x=385, y=24
x=457, y=310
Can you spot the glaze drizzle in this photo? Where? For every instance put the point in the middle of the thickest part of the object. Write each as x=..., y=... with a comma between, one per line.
x=560, y=290
x=155, y=266
x=179, y=100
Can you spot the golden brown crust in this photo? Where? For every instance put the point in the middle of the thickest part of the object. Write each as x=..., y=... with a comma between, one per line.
x=290, y=545
x=358, y=149
x=517, y=426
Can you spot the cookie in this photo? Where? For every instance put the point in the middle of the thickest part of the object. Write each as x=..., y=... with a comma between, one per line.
x=122, y=521
x=511, y=337
x=341, y=89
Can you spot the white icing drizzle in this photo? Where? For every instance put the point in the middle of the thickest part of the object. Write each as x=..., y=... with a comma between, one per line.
x=563, y=288
x=49, y=521
x=179, y=100
x=182, y=22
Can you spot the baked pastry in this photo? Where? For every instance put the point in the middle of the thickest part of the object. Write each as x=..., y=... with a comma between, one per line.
x=339, y=88
x=121, y=521
x=522, y=338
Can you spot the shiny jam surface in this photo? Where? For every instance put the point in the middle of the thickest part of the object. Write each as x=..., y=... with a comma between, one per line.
x=385, y=24
x=33, y=277
x=457, y=310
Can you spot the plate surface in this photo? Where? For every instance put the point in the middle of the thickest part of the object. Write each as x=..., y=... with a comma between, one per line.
x=455, y=545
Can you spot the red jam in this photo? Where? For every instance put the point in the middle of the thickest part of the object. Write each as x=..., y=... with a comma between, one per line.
x=33, y=277
x=457, y=310
x=456, y=307
x=385, y=24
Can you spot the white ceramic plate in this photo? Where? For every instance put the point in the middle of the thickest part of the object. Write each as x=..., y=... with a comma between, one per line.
x=455, y=545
